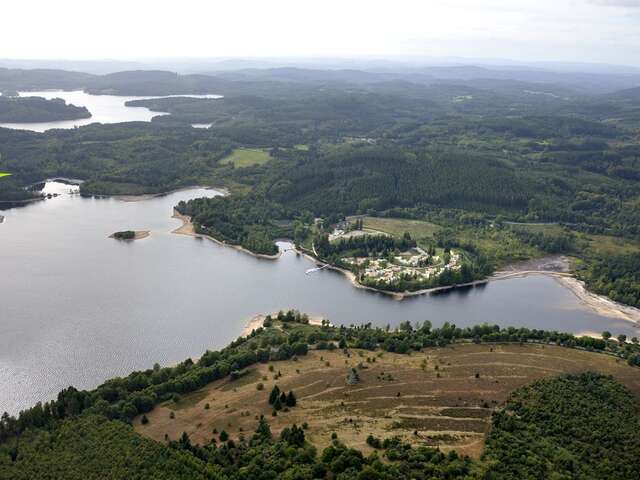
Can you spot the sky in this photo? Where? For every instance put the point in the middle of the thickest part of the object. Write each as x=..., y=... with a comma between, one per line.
x=599, y=31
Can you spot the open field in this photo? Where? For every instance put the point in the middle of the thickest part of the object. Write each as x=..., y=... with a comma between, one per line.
x=397, y=226
x=440, y=397
x=246, y=157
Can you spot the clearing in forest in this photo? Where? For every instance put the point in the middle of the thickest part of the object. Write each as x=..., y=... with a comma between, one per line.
x=246, y=157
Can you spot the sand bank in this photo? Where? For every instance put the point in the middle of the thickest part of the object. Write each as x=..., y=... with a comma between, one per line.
x=258, y=321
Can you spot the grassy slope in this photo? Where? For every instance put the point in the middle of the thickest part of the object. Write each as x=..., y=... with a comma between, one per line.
x=246, y=157
x=396, y=227
x=443, y=401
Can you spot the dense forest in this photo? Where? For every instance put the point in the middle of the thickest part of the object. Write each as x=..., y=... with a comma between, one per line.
x=37, y=109
x=85, y=434
x=582, y=426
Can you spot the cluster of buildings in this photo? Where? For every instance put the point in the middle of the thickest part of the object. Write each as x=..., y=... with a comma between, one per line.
x=418, y=266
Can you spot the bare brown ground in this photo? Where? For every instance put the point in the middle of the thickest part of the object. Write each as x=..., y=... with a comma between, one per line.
x=442, y=405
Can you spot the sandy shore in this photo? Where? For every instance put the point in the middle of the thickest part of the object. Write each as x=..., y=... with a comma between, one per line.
x=600, y=304
x=187, y=228
x=139, y=235
x=258, y=321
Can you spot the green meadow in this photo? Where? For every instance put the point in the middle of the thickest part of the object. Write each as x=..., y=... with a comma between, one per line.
x=246, y=157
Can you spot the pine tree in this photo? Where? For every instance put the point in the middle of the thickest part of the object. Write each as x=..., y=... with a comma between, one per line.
x=274, y=395
x=291, y=400
x=263, y=431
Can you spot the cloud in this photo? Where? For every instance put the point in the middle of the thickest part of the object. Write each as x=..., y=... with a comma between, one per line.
x=617, y=3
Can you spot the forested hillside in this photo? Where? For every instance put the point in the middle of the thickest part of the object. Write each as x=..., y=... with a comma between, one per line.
x=582, y=426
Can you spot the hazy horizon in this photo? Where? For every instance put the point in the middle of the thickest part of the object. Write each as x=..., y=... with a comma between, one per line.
x=528, y=32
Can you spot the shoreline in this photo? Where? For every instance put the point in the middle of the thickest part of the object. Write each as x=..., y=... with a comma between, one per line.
x=187, y=228
x=395, y=295
x=596, y=303
x=599, y=303
x=257, y=321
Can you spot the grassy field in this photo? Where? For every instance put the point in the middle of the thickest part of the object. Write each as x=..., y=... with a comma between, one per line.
x=246, y=157
x=440, y=397
x=396, y=227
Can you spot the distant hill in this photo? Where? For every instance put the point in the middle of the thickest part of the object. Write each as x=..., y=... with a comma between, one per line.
x=165, y=82
x=41, y=79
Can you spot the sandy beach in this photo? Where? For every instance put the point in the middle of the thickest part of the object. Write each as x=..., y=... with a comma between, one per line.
x=258, y=321
x=187, y=228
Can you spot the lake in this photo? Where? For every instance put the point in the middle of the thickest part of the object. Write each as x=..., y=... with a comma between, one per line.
x=77, y=307
x=103, y=108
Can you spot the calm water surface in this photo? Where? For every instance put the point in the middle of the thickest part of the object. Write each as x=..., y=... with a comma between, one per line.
x=77, y=307
x=103, y=108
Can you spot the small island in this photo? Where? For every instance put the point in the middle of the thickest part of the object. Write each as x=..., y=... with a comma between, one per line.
x=130, y=235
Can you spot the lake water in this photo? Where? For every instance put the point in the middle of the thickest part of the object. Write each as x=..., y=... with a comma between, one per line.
x=77, y=307
x=103, y=108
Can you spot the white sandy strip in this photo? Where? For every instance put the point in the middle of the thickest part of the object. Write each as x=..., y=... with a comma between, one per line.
x=258, y=321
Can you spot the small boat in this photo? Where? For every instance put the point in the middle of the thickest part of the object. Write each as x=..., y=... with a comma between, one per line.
x=317, y=269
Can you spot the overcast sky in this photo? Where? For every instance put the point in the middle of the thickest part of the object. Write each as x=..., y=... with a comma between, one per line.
x=606, y=31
